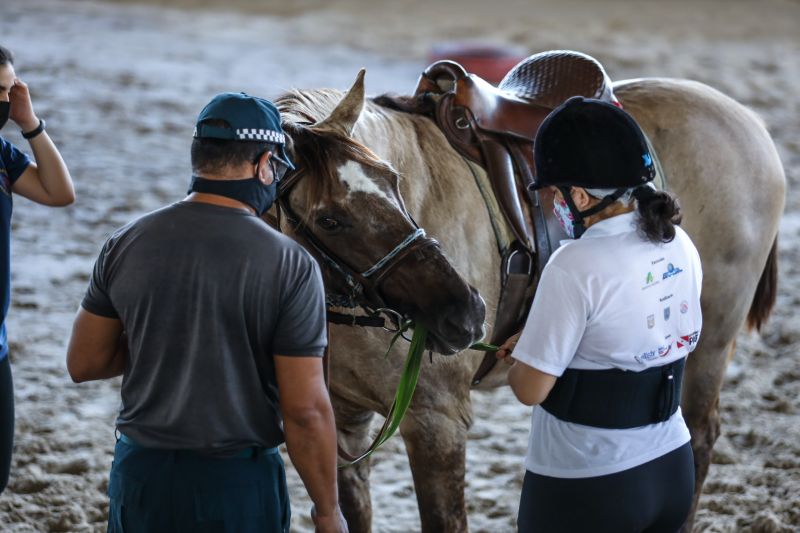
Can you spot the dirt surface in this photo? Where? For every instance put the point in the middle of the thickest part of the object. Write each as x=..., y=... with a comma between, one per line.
x=120, y=85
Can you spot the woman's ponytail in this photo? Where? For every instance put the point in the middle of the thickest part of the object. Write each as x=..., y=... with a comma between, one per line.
x=659, y=213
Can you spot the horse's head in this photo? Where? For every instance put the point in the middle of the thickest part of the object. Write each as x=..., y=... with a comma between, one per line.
x=346, y=205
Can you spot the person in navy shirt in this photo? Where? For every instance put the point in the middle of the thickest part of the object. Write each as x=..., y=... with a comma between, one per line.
x=46, y=181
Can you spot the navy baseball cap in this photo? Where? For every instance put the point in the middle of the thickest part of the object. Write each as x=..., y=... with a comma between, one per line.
x=250, y=118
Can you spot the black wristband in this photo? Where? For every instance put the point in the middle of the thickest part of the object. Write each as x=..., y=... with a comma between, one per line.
x=33, y=133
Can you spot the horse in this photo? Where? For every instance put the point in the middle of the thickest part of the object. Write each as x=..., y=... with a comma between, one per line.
x=372, y=175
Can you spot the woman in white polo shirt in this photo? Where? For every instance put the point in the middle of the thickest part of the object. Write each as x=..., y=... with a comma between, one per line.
x=616, y=312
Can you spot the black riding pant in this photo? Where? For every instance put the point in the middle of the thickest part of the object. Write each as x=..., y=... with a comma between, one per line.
x=6, y=421
x=654, y=498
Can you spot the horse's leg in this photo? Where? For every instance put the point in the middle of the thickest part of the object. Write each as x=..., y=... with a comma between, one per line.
x=705, y=372
x=352, y=425
x=436, y=446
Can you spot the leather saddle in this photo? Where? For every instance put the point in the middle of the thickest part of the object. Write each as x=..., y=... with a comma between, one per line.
x=495, y=127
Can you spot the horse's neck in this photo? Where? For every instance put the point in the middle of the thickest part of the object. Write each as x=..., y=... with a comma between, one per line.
x=440, y=192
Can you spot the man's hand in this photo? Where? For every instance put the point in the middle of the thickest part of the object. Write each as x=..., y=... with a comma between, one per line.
x=310, y=431
x=507, y=348
x=331, y=523
x=21, y=106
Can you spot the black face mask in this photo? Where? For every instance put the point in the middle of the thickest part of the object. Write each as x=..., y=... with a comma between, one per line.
x=5, y=111
x=250, y=191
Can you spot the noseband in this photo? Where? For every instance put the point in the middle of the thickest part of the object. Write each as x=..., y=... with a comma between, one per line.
x=363, y=287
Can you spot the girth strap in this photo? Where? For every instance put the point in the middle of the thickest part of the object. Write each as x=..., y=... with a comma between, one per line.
x=617, y=399
x=512, y=306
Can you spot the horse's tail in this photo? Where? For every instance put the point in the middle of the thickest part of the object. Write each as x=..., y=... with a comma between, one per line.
x=766, y=291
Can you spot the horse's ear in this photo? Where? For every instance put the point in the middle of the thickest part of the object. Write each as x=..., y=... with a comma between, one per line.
x=344, y=117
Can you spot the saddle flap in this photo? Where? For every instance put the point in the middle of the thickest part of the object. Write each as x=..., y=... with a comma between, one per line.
x=500, y=168
x=497, y=111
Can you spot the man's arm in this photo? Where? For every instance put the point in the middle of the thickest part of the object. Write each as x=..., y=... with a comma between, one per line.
x=97, y=348
x=47, y=181
x=311, y=435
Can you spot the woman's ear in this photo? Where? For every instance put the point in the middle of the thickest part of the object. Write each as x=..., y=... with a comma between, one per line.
x=582, y=199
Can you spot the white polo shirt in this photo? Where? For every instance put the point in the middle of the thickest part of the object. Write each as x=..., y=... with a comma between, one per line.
x=610, y=299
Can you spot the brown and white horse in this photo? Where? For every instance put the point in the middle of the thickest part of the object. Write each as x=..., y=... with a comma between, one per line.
x=371, y=174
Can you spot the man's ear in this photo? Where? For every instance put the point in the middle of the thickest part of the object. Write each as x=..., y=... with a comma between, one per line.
x=265, y=169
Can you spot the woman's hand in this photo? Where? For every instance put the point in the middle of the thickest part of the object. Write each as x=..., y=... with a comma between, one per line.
x=21, y=106
x=507, y=348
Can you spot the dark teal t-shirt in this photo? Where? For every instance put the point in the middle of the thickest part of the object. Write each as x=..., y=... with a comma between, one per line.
x=207, y=295
x=12, y=164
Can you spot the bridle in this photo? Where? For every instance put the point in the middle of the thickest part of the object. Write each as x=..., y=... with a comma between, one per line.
x=362, y=286
x=363, y=290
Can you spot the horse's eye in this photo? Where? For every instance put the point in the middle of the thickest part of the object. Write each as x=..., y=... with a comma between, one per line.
x=328, y=223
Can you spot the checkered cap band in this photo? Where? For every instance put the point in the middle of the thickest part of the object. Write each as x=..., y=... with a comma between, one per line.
x=253, y=134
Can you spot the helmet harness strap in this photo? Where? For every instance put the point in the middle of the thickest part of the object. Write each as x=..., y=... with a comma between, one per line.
x=579, y=216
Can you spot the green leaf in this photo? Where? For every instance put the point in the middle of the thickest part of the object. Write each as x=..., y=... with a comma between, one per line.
x=484, y=347
x=408, y=381
x=405, y=388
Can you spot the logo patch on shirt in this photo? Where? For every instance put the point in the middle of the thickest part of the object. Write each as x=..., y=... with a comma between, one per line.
x=684, y=307
x=666, y=313
x=650, y=281
x=688, y=340
x=661, y=351
x=651, y=321
x=646, y=356
x=672, y=270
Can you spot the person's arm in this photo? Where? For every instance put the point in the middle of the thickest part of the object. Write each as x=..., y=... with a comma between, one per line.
x=311, y=435
x=47, y=181
x=97, y=348
x=530, y=386
x=548, y=342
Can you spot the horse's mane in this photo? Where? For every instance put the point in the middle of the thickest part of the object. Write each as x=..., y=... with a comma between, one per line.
x=415, y=105
x=316, y=148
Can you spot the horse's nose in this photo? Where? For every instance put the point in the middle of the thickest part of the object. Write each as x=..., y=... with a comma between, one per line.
x=462, y=324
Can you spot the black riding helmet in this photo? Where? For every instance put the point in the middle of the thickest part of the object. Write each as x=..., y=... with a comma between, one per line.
x=595, y=145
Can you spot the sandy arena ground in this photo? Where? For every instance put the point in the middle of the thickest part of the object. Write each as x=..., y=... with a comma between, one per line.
x=120, y=85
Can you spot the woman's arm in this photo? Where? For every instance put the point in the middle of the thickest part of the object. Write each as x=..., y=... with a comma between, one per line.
x=529, y=385
x=47, y=181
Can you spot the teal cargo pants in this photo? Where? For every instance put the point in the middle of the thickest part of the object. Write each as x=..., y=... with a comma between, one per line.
x=167, y=491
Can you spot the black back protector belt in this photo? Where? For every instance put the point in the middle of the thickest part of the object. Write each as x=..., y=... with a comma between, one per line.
x=617, y=399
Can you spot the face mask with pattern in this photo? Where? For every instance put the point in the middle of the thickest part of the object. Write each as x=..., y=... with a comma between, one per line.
x=564, y=216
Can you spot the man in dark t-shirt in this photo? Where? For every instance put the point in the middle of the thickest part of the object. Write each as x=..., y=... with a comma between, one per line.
x=45, y=181
x=217, y=324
